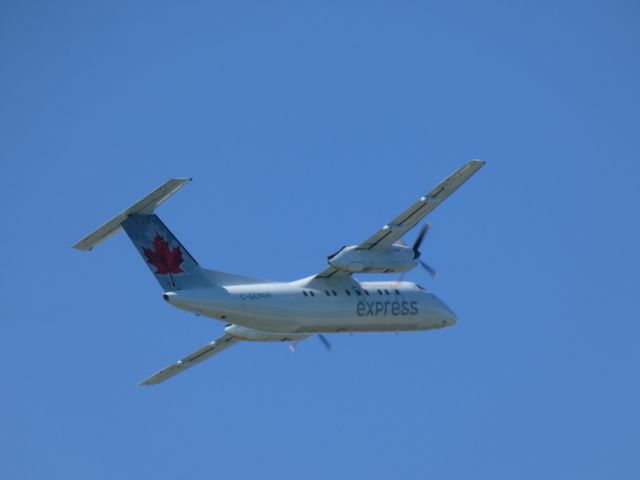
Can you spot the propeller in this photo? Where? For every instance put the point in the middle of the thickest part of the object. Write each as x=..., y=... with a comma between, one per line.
x=325, y=342
x=323, y=339
x=417, y=253
x=428, y=268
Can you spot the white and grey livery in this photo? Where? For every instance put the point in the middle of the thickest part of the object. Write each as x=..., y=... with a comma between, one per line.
x=331, y=301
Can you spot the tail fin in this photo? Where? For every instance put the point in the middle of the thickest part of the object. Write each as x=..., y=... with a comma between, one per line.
x=171, y=263
x=168, y=260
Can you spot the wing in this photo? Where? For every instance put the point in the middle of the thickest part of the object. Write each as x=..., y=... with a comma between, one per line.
x=408, y=219
x=216, y=346
x=331, y=272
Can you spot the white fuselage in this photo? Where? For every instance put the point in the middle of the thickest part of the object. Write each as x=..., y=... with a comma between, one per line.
x=312, y=305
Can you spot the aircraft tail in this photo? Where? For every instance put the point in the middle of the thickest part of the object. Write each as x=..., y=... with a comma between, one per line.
x=171, y=263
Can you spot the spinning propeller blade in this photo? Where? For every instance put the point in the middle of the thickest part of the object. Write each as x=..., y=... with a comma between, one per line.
x=428, y=268
x=417, y=253
x=418, y=242
x=325, y=342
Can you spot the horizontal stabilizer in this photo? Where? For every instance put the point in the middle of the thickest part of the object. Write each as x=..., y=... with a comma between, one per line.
x=216, y=346
x=147, y=205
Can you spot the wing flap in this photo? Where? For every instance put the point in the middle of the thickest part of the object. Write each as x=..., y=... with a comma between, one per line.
x=212, y=348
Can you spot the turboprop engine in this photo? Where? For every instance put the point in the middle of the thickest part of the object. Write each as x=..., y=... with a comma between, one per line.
x=251, y=335
x=396, y=258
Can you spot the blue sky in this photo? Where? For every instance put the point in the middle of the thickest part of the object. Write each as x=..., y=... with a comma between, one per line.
x=306, y=126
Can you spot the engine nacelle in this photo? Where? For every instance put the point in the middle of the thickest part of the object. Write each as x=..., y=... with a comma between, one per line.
x=251, y=335
x=396, y=258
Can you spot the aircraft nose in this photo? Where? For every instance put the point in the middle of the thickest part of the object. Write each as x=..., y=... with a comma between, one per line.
x=448, y=318
x=451, y=319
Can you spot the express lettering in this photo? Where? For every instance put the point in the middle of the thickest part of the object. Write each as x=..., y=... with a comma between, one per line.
x=372, y=309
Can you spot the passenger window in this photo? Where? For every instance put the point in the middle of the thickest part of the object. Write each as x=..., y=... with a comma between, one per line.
x=334, y=293
x=380, y=291
x=397, y=292
x=358, y=292
x=312, y=294
x=305, y=293
x=348, y=292
x=386, y=291
x=366, y=292
x=327, y=292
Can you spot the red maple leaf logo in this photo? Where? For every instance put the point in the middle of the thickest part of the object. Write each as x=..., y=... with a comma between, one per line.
x=165, y=259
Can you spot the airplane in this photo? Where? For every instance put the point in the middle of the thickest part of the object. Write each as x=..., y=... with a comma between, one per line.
x=331, y=301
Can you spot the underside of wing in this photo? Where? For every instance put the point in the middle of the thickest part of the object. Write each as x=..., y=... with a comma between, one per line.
x=212, y=348
x=404, y=222
x=378, y=254
x=331, y=272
